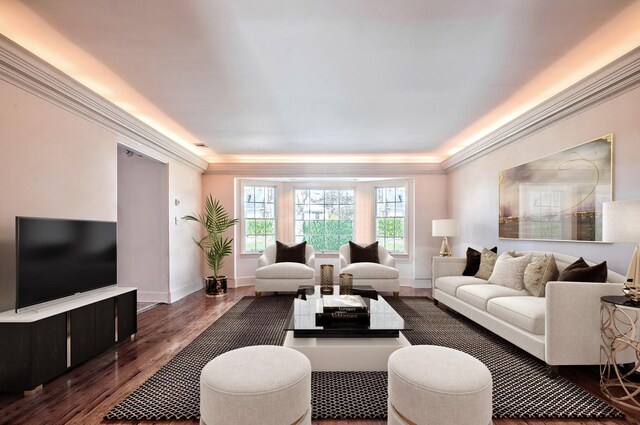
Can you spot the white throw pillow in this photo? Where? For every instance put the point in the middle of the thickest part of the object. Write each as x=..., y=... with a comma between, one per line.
x=509, y=271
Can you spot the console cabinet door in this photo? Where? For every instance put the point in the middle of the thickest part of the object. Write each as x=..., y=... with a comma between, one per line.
x=127, y=320
x=50, y=348
x=16, y=356
x=83, y=338
x=105, y=324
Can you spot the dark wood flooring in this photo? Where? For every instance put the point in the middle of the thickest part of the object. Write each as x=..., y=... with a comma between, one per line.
x=86, y=393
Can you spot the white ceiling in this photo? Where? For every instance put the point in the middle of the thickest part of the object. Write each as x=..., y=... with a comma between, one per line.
x=251, y=77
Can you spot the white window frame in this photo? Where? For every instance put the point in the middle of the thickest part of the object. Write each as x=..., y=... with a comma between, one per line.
x=408, y=202
x=243, y=235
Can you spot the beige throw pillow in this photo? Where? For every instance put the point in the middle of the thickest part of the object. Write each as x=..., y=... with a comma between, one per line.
x=538, y=273
x=487, y=261
x=509, y=271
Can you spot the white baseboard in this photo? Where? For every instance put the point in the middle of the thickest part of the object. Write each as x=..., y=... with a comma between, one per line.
x=244, y=281
x=153, y=297
x=421, y=283
x=183, y=291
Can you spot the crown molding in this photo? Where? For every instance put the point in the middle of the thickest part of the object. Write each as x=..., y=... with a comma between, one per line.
x=612, y=80
x=25, y=70
x=324, y=169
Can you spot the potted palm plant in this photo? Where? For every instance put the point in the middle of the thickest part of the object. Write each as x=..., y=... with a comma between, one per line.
x=213, y=244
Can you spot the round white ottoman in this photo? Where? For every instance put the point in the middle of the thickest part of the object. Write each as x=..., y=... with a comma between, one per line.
x=431, y=385
x=263, y=384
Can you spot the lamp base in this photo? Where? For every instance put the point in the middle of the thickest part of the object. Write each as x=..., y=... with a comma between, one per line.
x=445, y=251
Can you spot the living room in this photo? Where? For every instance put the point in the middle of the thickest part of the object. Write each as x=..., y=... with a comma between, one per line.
x=106, y=119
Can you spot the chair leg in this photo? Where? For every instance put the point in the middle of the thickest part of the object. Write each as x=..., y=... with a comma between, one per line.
x=396, y=294
x=258, y=293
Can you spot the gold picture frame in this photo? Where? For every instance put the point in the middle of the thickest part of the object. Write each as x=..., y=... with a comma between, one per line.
x=558, y=197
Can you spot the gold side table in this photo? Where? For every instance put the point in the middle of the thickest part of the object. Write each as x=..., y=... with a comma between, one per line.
x=620, y=350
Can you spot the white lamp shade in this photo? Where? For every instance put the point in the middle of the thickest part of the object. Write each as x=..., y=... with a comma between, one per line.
x=445, y=227
x=621, y=221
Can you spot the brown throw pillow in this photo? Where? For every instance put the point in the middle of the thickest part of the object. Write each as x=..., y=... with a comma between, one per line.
x=364, y=254
x=473, y=261
x=580, y=271
x=538, y=273
x=291, y=254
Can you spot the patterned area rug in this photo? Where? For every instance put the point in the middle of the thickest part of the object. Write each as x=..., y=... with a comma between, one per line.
x=522, y=388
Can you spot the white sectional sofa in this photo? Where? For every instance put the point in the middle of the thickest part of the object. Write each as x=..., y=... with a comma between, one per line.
x=562, y=328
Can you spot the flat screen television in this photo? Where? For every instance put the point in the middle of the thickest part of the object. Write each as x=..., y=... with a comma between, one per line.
x=57, y=258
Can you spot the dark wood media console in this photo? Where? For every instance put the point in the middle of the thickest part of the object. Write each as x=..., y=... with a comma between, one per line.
x=40, y=344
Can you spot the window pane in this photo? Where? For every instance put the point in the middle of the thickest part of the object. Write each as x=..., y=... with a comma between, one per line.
x=390, y=213
x=324, y=217
x=259, y=217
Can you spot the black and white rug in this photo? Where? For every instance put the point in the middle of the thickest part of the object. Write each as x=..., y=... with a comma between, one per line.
x=521, y=386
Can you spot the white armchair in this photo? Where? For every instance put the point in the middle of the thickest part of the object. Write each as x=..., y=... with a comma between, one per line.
x=284, y=277
x=383, y=277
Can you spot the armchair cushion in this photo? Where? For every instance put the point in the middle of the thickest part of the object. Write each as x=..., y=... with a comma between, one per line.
x=364, y=254
x=371, y=271
x=291, y=254
x=287, y=270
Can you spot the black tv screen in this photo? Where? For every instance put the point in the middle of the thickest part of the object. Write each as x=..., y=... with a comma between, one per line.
x=57, y=258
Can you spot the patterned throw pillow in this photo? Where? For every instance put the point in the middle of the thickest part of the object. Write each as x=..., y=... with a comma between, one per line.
x=509, y=271
x=538, y=273
x=487, y=261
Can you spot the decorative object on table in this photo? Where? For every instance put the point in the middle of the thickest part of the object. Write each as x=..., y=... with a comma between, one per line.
x=621, y=223
x=346, y=283
x=445, y=228
x=343, y=303
x=620, y=349
x=326, y=279
x=215, y=246
x=558, y=197
x=342, y=313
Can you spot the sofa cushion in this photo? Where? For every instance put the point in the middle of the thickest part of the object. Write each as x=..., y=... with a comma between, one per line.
x=371, y=271
x=293, y=254
x=580, y=271
x=450, y=284
x=524, y=312
x=538, y=273
x=285, y=271
x=509, y=271
x=363, y=254
x=473, y=261
x=487, y=262
x=479, y=295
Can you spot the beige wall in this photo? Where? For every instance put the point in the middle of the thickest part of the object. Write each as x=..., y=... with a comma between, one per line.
x=473, y=189
x=54, y=164
x=143, y=254
x=429, y=202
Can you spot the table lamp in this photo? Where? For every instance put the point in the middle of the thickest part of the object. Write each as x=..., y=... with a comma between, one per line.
x=445, y=228
x=621, y=223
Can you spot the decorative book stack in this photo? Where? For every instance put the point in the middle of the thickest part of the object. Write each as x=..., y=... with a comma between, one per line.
x=343, y=309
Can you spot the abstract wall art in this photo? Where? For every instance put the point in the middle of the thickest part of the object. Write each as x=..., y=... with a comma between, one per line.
x=558, y=197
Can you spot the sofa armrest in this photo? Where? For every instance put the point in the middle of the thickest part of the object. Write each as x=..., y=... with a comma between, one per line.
x=447, y=266
x=388, y=260
x=572, y=321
